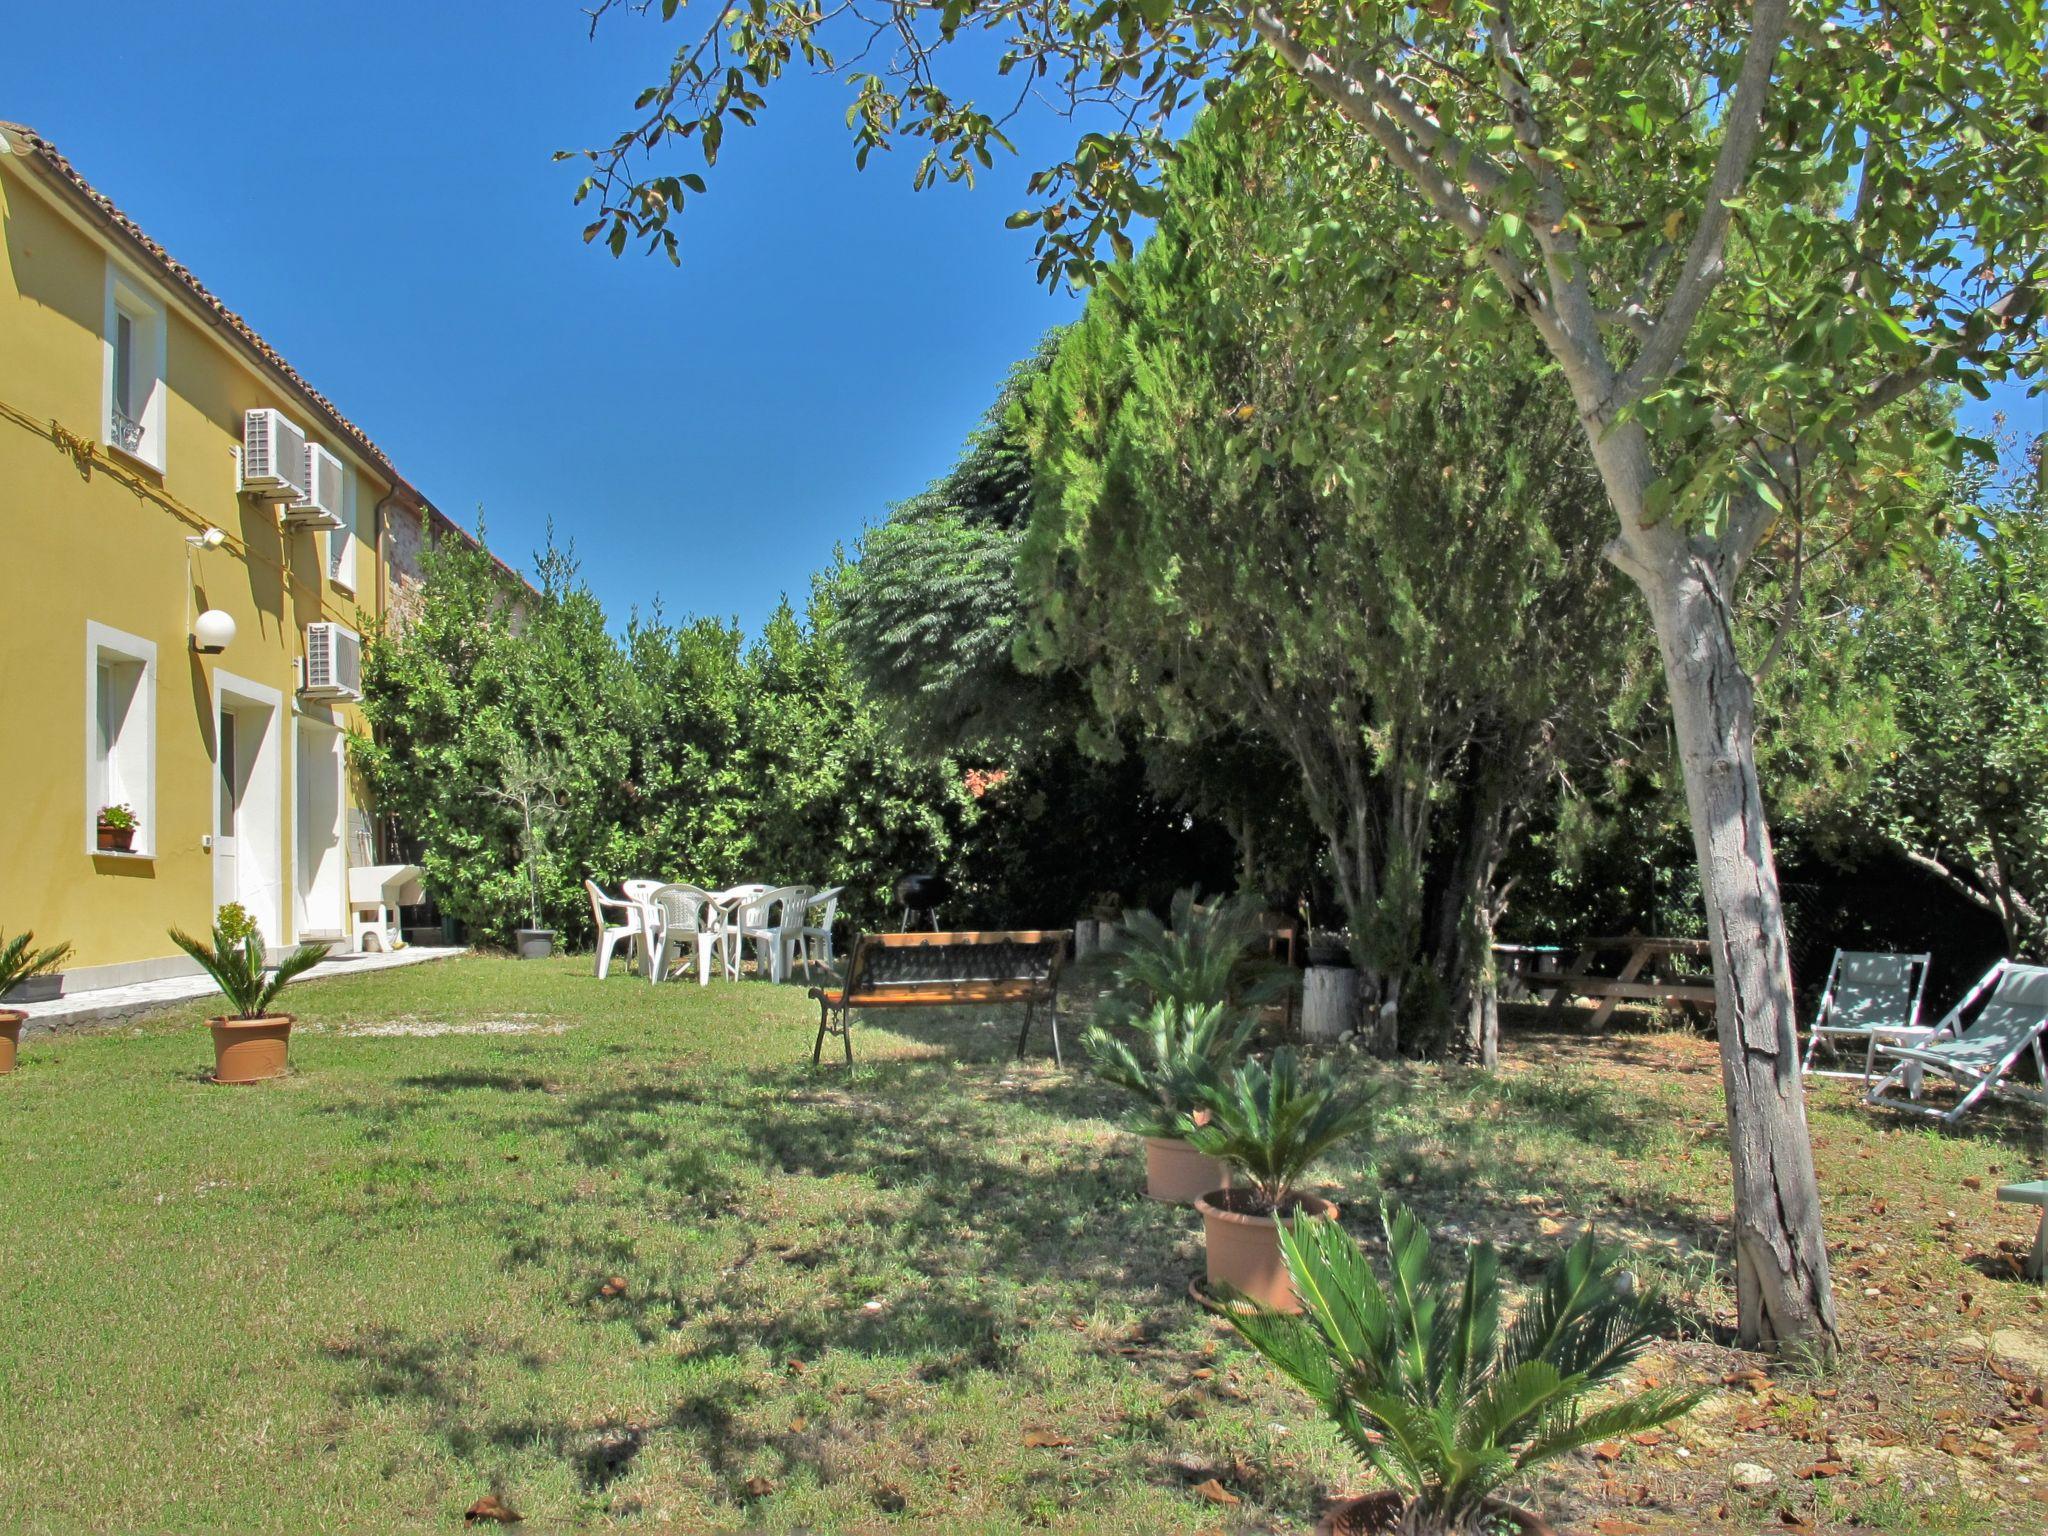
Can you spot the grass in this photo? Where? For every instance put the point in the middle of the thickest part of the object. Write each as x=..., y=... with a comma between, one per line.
x=922, y=1292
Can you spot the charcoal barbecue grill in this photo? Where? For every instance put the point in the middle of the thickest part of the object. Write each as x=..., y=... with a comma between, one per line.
x=922, y=895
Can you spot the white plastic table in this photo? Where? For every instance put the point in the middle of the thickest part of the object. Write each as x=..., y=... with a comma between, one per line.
x=1917, y=1034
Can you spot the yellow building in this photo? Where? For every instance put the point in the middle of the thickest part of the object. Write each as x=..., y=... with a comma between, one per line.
x=165, y=477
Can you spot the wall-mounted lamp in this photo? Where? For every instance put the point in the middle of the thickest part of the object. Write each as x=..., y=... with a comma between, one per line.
x=213, y=632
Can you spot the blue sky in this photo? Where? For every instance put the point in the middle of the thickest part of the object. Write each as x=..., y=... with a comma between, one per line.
x=373, y=189
x=705, y=434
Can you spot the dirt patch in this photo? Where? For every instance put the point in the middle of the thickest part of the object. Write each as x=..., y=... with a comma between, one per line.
x=428, y=1029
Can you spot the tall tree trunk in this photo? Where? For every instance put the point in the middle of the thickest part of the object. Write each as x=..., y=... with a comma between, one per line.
x=1782, y=1280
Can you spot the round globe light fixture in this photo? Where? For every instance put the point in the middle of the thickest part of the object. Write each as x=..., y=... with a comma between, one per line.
x=213, y=632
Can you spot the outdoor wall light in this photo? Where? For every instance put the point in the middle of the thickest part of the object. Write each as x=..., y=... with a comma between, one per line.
x=213, y=632
x=212, y=538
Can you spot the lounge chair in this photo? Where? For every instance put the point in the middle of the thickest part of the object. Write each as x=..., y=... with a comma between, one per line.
x=1867, y=996
x=1980, y=1057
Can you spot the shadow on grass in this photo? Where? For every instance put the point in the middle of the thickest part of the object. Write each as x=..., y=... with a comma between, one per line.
x=934, y=1209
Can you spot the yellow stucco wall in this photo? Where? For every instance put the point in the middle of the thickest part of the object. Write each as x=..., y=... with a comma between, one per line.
x=106, y=542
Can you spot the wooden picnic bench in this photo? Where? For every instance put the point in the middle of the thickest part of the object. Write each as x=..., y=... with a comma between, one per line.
x=940, y=970
x=1641, y=953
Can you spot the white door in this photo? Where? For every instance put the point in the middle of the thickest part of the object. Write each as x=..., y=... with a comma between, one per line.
x=229, y=788
x=319, y=823
x=248, y=847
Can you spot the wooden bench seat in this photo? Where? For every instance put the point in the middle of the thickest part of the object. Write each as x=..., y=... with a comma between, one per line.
x=942, y=970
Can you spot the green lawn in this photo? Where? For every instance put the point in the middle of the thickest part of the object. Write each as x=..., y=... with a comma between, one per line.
x=922, y=1292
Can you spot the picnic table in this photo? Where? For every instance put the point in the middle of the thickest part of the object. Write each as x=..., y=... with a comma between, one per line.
x=1639, y=954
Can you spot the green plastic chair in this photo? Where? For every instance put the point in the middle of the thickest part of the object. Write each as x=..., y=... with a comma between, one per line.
x=1866, y=994
x=1981, y=1057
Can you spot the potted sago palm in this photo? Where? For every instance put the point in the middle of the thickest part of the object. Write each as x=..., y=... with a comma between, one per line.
x=19, y=961
x=250, y=1041
x=1432, y=1388
x=1190, y=986
x=1270, y=1124
x=1196, y=956
x=1179, y=1051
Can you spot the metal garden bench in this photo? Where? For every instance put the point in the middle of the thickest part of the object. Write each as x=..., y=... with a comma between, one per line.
x=939, y=970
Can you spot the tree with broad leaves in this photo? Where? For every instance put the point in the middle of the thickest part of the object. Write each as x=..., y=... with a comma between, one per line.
x=1742, y=229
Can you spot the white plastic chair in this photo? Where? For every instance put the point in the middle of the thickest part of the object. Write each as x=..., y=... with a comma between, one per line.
x=773, y=922
x=629, y=928
x=690, y=929
x=643, y=891
x=819, y=915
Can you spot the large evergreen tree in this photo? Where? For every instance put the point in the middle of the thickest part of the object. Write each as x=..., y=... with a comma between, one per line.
x=1404, y=593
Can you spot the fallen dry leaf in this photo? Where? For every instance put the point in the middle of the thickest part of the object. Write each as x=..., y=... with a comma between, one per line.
x=1613, y=1525
x=491, y=1507
x=1216, y=1493
x=1045, y=1440
x=1971, y=1181
x=1608, y=1450
x=1823, y=1469
x=758, y=1487
x=798, y=1425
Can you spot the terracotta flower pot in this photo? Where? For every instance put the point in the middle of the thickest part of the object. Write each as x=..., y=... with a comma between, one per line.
x=116, y=839
x=10, y=1037
x=251, y=1050
x=1244, y=1245
x=1372, y=1514
x=1176, y=1174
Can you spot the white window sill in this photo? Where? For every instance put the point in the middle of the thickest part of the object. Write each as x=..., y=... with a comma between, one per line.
x=154, y=466
x=132, y=853
x=346, y=589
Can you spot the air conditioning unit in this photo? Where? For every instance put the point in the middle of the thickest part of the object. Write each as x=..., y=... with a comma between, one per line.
x=273, y=456
x=319, y=506
x=333, y=665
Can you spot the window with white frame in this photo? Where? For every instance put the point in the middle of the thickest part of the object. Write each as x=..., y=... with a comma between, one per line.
x=341, y=542
x=135, y=391
x=120, y=731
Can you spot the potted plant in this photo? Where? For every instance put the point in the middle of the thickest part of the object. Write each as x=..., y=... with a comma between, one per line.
x=250, y=1043
x=1165, y=979
x=1427, y=1386
x=19, y=960
x=1196, y=957
x=530, y=784
x=117, y=829
x=1185, y=1049
x=1270, y=1124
